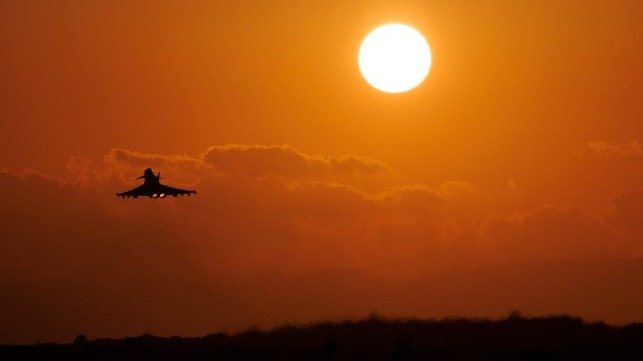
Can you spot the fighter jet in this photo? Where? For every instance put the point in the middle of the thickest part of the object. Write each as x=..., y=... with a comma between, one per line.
x=153, y=188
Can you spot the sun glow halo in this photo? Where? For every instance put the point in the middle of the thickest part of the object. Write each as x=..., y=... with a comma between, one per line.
x=394, y=58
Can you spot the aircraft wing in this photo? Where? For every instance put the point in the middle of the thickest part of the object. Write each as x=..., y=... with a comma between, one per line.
x=174, y=192
x=136, y=192
x=155, y=191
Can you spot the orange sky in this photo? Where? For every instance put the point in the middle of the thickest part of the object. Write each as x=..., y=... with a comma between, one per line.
x=510, y=179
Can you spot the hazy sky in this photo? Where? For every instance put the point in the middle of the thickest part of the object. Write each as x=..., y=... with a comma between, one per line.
x=511, y=179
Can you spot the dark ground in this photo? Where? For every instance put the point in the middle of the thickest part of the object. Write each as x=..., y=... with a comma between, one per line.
x=514, y=338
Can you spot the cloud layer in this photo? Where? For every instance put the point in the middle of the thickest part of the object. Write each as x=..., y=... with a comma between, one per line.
x=274, y=224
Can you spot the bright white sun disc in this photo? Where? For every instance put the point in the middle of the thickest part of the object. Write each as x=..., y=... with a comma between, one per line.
x=394, y=58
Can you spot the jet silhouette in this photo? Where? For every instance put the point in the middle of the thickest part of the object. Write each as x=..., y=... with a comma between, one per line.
x=153, y=188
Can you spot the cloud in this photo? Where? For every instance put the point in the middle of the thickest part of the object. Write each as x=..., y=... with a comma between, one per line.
x=300, y=203
x=51, y=231
x=446, y=190
x=607, y=150
x=272, y=221
x=284, y=160
x=233, y=160
x=287, y=221
x=448, y=206
x=181, y=168
x=549, y=232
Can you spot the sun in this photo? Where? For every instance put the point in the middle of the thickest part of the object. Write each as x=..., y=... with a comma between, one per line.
x=394, y=58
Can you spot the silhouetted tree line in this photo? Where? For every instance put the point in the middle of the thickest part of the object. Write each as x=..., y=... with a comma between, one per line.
x=558, y=337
